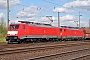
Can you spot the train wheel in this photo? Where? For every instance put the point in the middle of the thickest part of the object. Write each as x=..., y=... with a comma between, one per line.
x=19, y=42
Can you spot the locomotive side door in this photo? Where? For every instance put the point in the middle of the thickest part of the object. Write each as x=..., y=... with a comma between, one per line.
x=24, y=30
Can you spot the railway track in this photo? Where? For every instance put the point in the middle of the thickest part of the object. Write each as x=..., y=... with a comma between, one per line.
x=31, y=52
x=6, y=46
x=69, y=55
x=25, y=49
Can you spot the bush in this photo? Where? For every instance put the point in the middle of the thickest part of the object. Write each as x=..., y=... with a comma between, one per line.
x=2, y=40
x=3, y=30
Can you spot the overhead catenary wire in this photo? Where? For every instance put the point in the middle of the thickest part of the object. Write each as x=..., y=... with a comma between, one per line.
x=52, y=3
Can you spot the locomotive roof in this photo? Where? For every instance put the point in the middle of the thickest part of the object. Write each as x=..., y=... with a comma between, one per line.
x=36, y=24
x=70, y=27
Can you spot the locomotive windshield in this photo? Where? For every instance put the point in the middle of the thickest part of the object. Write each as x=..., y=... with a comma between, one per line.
x=14, y=27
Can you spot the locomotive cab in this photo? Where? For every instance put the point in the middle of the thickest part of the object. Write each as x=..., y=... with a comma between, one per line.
x=14, y=33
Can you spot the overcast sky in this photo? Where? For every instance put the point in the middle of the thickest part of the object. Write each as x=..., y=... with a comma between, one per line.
x=37, y=10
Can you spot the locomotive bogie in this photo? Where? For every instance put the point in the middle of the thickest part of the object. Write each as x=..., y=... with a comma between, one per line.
x=12, y=39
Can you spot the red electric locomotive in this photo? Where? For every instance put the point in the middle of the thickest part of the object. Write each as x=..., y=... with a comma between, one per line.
x=72, y=33
x=32, y=32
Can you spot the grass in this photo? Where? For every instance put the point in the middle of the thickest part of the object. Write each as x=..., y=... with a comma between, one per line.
x=2, y=40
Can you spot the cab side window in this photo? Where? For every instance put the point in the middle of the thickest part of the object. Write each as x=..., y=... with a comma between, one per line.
x=23, y=27
x=60, y=30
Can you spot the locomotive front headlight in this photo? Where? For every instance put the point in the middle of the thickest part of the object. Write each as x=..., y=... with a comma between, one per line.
x=8, y=34
x=15, y=34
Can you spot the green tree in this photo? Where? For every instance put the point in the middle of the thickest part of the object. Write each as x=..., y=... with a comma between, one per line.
x=2, y=28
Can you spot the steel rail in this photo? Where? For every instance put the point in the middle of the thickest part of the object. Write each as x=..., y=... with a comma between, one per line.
x=47, y=57
x=26, y=49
